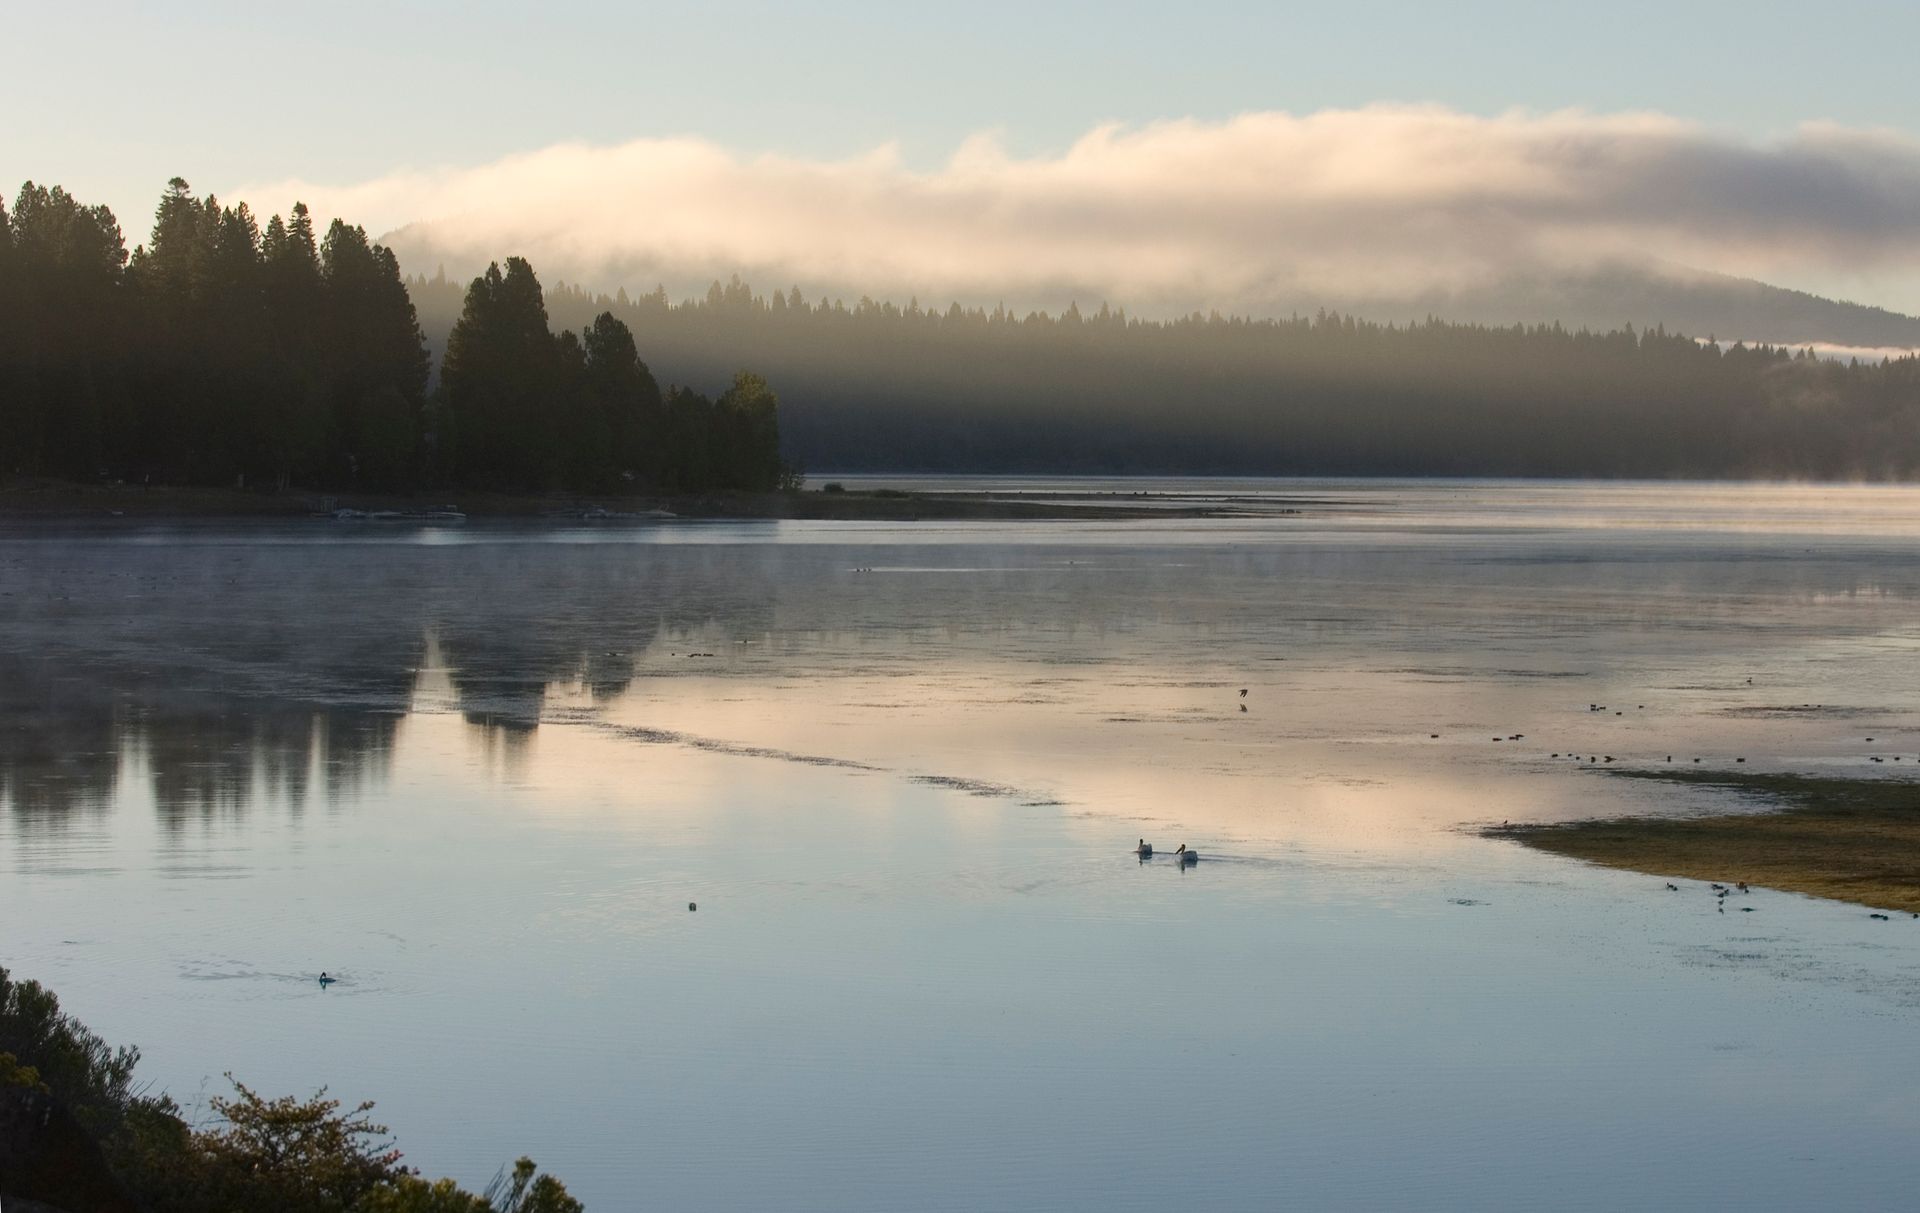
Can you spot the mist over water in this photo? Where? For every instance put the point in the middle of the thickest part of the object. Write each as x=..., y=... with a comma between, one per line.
x=480, y=772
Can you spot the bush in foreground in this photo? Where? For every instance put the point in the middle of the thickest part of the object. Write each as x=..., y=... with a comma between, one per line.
x=286, y=1154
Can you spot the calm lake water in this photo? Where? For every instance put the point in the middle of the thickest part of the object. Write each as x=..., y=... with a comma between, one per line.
x=480, y=771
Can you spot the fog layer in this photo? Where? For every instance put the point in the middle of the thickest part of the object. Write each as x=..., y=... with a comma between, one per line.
x=1264, y=212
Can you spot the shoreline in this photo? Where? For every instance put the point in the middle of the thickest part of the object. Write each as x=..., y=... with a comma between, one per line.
x=61, y=501
x=1845, y=839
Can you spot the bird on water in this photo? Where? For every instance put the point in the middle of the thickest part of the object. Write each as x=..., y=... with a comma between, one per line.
x=1144, y=850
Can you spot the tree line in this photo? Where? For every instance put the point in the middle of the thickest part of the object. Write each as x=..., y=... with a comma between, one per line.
x=221, y=352
x=873, y=385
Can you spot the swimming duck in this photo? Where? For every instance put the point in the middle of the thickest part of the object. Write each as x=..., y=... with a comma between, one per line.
x=325, y=980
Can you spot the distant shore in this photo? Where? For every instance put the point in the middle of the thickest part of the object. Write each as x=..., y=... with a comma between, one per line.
x=67, y=501
x=1855, y=840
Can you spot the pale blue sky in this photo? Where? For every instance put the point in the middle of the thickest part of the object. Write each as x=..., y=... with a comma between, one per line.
x=111, y=97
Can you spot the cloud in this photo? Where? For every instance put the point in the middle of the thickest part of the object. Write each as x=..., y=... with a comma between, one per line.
x=1385, y=202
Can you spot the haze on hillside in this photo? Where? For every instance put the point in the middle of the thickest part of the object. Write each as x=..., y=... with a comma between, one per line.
x=1391, y=212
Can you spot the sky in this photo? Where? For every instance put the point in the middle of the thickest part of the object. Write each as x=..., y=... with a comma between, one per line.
x=392, y=104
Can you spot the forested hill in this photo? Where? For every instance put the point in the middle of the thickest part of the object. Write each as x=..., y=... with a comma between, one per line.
x=876, y=386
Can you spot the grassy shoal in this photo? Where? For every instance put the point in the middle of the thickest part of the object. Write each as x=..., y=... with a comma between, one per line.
x=1854, y=840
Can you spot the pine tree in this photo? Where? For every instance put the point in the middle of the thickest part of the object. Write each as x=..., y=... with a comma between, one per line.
x=624, y=406
x=498, y=374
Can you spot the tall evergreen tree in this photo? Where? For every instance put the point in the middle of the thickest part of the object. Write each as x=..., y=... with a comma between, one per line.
x=303, y=436
x=64, y=265
x=377, y=372
x=499, y=377
x=623, y=407
x=749, y=434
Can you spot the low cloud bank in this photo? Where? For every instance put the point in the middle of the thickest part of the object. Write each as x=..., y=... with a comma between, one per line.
x=1264, y=211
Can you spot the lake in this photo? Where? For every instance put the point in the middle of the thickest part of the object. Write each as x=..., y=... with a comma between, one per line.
x=481, y=771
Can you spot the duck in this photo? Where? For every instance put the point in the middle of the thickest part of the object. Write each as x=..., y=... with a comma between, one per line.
x=1144, y=850
x=326, y=980
x=1185, y=856
x=1672, y=887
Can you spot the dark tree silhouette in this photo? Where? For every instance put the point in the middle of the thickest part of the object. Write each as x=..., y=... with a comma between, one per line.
x=622, y=407
x=221, y=353
x=60, y=303
x=499, y=382
x=521, y=408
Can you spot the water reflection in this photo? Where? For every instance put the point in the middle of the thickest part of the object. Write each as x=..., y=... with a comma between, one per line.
x=70, y=739
x=223, y=671
x=483, y=780
x=1092, y=663
x=60, y=741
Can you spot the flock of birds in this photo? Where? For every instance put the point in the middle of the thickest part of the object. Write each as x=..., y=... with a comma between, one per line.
x=1602, y=759
x=1722, y=892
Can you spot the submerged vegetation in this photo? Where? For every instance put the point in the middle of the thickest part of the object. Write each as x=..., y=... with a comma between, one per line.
x=219, y=353
x=879, y=386
x=76, y=1134
x=1848, y=839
